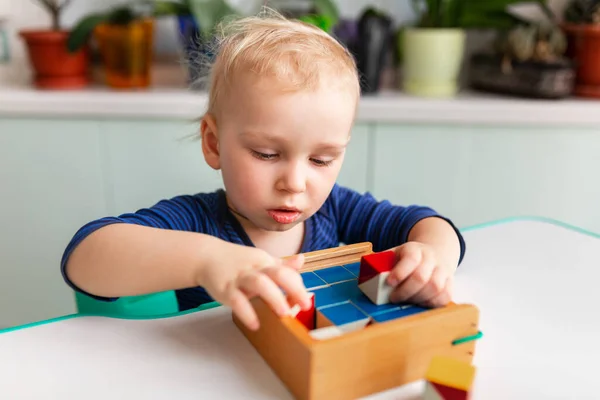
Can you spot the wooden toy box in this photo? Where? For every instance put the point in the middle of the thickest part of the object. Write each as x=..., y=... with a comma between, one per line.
x=395, y=349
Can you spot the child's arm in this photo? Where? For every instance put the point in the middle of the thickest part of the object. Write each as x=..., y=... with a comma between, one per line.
x=127, y=259
x=427, y=245
x=424, y=272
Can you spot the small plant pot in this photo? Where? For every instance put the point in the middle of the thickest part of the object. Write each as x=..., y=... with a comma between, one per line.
x=54, y=67
x=584, y=49
x=432, y=60
x=126, y=52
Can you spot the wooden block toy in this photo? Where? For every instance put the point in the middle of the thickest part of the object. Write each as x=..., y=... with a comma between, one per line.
x=374, y=270
x=448, y=379
x=356, y=347
x=308, y=318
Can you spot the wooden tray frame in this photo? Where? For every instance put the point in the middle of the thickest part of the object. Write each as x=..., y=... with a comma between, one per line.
x=359, y=363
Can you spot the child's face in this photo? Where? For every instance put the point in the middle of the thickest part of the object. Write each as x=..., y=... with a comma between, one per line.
x=281, y=153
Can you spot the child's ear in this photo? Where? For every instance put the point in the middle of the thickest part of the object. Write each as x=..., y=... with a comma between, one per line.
x=210, y=141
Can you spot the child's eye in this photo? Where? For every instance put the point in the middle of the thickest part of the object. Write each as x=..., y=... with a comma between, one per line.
x=263, y=156
x=321, y=163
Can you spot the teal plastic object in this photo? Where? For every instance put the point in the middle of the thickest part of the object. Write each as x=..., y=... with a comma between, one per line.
x=154, y=304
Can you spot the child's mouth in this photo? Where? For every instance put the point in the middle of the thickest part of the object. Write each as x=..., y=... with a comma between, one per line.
x=284, y=216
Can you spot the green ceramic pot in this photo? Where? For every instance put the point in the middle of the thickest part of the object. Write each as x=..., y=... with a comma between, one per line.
x=432, y=60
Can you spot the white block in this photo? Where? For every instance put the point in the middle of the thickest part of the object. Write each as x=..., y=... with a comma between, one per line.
x=329, y=332
x=431, y=393
x=377, y=289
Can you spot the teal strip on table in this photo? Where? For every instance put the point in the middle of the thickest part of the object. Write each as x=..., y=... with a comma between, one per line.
x=533, y=219
x=203, y=307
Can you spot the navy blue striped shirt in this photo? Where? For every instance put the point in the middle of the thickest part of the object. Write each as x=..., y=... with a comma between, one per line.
x=346, y=217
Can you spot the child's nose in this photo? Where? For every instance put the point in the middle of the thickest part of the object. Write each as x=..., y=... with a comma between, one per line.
x=293, y=178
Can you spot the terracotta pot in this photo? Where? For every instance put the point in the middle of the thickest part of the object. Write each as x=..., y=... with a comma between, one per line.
x=584, y=49
x=54, y=67
x=126, y=52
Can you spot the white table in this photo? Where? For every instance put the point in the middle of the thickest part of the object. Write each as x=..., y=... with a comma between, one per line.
x=533, y=281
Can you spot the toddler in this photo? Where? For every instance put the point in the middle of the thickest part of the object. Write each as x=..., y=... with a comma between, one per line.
x=282, y=101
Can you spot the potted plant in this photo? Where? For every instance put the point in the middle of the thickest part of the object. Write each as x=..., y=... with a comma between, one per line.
x=54, y=67
x=197, y=20
x=432, y=51
x=124, y=36
x=582, y=27
x=526, y=61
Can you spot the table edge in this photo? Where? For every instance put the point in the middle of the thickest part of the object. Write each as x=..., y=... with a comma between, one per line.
x=215, y=304
x=532, y=218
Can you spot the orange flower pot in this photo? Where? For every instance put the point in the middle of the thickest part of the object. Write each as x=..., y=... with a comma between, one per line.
x=126, y=52
x=53, y=66
x=584, y=49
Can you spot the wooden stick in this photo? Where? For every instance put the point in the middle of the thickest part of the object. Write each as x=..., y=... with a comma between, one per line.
x=341, y=255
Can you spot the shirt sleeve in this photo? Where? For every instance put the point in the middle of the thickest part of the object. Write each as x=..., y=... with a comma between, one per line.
x=361, y=218
x=182, y=213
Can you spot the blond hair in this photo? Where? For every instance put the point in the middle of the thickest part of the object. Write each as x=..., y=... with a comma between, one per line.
x=299, y=56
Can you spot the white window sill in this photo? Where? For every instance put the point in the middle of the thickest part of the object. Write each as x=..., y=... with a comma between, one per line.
x=467, y=108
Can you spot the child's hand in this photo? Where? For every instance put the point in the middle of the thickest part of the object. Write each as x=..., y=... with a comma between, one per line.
x=420, y=276
x=236, y=273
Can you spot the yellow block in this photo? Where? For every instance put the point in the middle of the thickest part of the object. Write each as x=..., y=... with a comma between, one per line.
x=450, y=372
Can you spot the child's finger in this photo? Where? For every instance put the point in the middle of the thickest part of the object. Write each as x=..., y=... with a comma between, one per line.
x=295, y=261
x=414, y=283
x=435, y=286
x=443, y=298
x=242, y=308
x=409, y=260
x=291, y=282
x=256, y=283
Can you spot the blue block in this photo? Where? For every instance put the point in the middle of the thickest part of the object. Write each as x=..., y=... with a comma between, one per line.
x=343, y=313
x=370, y=308
x=334, y=274
x=399, y=313
x=311, y=280
x=348, y=289
x=353, y=268
x=336, y=293
x=327, y=296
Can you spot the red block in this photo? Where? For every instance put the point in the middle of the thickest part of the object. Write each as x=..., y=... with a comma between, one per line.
x=449, y=393
x=374, y=264
x=308, y=318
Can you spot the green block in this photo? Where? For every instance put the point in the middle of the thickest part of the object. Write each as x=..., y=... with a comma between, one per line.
x=155, y=304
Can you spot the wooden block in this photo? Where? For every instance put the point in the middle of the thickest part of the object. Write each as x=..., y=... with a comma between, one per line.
x=284, y=344
x=450, y=378
x=374, y=271
x=315, y=368
x=336, y=256
x=374, y=264
x=430, y=393
x=322, y=321
x=308, y=318
x=332, y=331
x=451, y=372
x=417, y=338
x=377, y=289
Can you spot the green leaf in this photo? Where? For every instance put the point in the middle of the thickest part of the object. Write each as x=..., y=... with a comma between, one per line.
x=80, y=34
x=162, y=8
x=208, y=13
x=328, y=9
x=121, y=15
x=495, y=5
x=450, y=11
x=467, y=13
x=490, y=20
